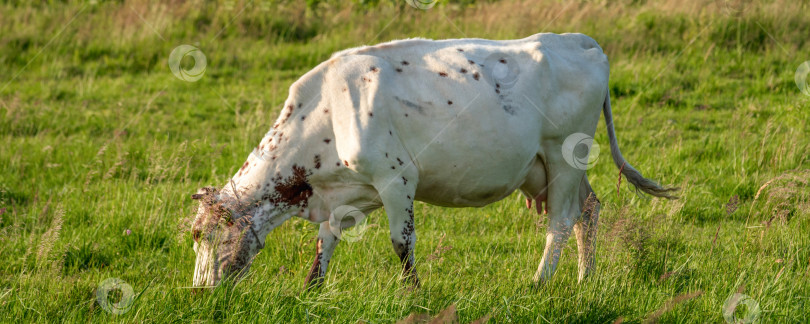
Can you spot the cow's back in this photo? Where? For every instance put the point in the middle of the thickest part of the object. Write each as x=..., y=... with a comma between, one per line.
x=472, y=134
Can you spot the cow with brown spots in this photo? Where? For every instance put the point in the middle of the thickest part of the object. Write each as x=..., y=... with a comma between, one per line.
x=456, y=123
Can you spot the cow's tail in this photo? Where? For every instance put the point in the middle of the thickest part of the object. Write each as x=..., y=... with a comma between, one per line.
x=630, y=173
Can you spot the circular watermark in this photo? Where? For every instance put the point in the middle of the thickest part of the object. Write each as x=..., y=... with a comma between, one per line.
x=732, y=8
x=352, y=219
x=580, y=151
x=801, y=78
x=190, y=75
x=115, y=296
x=748, y=315
x=501, y=71
x=422, y=4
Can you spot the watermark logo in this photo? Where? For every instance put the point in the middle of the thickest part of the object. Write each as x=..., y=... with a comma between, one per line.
x=732, y=8
x=115, y=296
x=801, y=78
x=501, y=71
x=733, y=313
x=580, y=151
x=350, y=218
x=181, y=52
x=422, y=4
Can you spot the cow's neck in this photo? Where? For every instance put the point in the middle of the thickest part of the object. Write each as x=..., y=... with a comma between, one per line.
x=275, y=179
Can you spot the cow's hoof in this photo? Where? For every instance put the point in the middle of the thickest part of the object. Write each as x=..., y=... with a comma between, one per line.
x=412, y=282
x=538, y=285
x=313, y=284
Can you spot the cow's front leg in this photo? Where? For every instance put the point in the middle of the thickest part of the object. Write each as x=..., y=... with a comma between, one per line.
x=403, y=238
x=397, y=198
x=324, y=248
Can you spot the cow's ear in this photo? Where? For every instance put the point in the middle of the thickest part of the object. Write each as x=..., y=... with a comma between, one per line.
x=206, y=194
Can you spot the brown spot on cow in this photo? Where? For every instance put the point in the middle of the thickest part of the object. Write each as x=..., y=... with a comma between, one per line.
x=374, y=69
x=460, y=50
x=471, y=62
x=398, y=70
x=303, y=117
x=292, y=191
x=400, y=161
x=371, y=114
x=327, y=140
x=346, y=162
x=463, y=70
x=449, y=102
x=443, y=74
x=317, y=161
x=404, y=181
x=326, y=111
x=502, y=61
x=405, y=63
x=476, y=76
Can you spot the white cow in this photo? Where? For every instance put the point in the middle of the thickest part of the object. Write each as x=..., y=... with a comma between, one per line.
x=457, y=123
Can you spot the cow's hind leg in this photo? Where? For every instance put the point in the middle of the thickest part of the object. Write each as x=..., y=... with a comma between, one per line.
x=397, y=198
x=585, y=229
x=563, y=209
x=324, y=247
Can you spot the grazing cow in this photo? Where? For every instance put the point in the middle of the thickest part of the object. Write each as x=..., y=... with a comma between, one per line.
x=454, y=123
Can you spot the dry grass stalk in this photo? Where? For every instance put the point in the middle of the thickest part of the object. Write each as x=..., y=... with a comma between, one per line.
x=653, y=318
x=440, y=249
x=446, y=316
x=787, y=193
x=49, y=238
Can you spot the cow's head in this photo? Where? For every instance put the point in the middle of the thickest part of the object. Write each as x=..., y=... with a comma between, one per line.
x=226, y=238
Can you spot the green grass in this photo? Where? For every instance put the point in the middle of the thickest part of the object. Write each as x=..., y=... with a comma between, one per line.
x=100, y=138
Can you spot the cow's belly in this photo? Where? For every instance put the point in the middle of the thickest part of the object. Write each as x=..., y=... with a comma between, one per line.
x=458, y=184
x=474, y=163
x=473, y=152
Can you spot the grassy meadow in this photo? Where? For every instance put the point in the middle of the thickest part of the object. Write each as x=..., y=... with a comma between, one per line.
x=102, y=147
